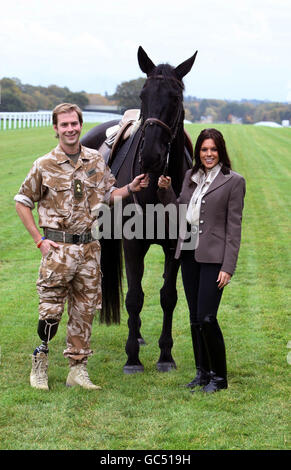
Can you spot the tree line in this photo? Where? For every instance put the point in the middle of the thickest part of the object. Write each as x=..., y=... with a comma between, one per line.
x=247, y=112
x=16, y=96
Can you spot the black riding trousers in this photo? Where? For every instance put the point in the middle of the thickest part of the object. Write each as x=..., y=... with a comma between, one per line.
x=200, y=285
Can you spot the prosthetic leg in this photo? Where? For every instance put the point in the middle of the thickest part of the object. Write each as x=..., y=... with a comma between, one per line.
x=38, y=376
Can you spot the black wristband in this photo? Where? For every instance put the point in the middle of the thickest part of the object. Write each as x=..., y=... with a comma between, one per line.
x=129, y=190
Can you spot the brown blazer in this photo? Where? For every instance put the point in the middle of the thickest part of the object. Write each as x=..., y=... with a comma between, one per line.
x=220, y=218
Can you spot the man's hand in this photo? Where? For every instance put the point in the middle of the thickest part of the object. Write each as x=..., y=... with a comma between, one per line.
x=139, y=182
x=46, y=246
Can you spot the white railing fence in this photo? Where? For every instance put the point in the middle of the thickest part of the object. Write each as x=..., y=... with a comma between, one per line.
x=25, y=120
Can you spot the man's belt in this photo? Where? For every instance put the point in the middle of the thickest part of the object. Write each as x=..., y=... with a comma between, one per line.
x=59, y=236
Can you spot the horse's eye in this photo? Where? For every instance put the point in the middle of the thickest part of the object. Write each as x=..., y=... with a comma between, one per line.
x=174, y=97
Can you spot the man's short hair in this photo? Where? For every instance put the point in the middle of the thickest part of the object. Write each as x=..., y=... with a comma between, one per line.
x=66, y=108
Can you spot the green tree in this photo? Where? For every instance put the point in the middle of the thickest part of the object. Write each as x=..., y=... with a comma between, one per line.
x=127, y=94
x=193, y=108
x=11, y=101
x=79, y=98
x=57, y=91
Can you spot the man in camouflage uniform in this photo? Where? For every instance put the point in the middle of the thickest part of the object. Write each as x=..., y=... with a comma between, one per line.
x=68, y=184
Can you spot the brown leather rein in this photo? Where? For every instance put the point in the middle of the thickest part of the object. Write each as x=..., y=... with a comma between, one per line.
x=151, y=121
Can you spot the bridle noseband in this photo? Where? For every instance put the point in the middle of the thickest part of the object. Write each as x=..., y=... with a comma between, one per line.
x=172, y=132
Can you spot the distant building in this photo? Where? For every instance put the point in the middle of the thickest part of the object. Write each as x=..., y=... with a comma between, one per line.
x=235, y=120
x=267, y=124
x=206, y=119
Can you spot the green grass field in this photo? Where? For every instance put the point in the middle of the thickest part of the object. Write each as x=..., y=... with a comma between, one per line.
x=153, y=410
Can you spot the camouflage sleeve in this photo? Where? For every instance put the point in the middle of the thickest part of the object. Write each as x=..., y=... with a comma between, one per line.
x=30, y=190
x=110, y=182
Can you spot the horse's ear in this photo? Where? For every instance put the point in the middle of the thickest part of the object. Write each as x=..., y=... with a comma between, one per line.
x=185, y=67
x=145, y=63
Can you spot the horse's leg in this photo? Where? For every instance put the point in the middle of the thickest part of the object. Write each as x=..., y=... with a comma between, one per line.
x=134, y=253
x=168, y=299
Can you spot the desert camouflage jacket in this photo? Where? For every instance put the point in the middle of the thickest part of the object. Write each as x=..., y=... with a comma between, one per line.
x=67, y=195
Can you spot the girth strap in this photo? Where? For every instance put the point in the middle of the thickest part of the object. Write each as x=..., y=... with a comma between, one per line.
x=121, y=154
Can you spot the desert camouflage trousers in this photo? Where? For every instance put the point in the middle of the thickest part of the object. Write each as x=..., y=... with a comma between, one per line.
x=72, y=272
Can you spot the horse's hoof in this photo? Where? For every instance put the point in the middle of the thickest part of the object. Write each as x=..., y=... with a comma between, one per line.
x=166, y=366
x=141, y=342
x=133, y=369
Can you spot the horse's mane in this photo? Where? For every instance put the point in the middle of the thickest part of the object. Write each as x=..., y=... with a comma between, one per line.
x=168, y=72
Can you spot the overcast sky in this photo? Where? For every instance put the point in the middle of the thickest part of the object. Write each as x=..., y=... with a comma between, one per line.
x=243, y=45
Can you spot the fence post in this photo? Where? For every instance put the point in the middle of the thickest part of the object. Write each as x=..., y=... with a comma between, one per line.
x=23, y=120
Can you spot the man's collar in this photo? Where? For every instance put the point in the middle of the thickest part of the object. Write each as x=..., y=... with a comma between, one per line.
x=62, y=157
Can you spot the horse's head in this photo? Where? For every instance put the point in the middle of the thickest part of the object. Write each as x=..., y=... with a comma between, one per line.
x=162, y=110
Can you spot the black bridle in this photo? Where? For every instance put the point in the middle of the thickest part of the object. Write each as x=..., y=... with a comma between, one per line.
x=171, y=131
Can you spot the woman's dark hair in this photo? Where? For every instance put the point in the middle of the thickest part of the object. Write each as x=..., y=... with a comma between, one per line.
x=220, y=145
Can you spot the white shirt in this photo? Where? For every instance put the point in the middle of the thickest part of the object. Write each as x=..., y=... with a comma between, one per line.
x=203, y=181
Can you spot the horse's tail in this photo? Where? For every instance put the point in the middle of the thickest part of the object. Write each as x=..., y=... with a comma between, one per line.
x=112, y=275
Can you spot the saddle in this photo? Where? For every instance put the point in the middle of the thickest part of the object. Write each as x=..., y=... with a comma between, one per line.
x=119, y=133
x=125, y=130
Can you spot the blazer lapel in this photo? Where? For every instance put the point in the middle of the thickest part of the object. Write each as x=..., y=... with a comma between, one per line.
x=219, y=181
x=189, y=190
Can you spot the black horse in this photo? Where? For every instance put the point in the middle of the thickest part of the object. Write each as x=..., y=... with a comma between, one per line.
x=157, y=147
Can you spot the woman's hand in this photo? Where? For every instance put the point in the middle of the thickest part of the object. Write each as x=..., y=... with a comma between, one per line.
x=223, y=279
x=164, y=182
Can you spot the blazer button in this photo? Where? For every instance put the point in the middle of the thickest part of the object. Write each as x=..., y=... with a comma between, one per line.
x=203, y=201
x=201, y=221
x=200, y=231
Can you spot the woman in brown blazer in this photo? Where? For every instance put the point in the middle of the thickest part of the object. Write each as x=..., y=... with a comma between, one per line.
x=213, y=198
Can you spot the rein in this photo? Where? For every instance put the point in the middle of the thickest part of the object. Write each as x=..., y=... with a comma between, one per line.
x=172, y=132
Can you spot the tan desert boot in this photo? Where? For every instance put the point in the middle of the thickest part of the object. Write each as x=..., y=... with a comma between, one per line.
x=38, y=375
x=78, y=375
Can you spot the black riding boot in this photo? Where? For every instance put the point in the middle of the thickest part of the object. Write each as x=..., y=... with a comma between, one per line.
x=201, y=358
x=216, y=350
